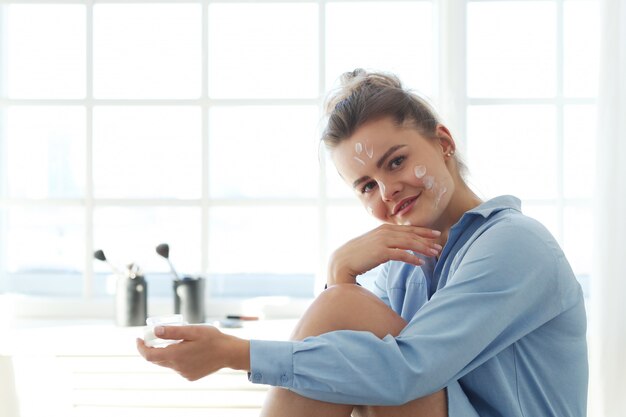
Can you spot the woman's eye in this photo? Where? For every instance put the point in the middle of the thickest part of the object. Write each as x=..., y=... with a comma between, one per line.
x=368, y=187
x=396, y=162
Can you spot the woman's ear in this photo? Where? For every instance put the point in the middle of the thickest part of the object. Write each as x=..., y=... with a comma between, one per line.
x=448, y=146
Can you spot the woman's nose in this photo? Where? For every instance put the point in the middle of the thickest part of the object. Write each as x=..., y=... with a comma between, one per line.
x=387, y=190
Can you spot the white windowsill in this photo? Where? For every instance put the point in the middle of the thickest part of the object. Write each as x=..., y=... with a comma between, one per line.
x=90, y=367
x=15, y=307
x=103, y=338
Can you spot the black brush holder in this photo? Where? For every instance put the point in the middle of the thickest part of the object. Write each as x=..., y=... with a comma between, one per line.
x=189, y=298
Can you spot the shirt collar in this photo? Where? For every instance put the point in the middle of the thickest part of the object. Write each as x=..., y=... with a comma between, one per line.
x=495, y=205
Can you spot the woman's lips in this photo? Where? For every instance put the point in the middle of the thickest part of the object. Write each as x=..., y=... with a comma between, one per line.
x=405, y=206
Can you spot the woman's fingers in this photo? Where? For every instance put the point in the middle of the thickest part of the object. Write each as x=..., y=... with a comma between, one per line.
x=425, y=232
x=406, y=257
x=386, y=242
x=408, y=240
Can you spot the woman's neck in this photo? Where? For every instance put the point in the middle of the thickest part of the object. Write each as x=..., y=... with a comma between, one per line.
x=462, y=201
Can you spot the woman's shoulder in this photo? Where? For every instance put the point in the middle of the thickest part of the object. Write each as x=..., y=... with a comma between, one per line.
x=499, y=229
x=504, y=217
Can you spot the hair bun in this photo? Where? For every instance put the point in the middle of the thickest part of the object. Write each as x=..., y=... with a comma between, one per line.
x=354, y=81
x=361, y=77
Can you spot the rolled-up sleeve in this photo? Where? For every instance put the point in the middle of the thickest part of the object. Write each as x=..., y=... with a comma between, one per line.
x=271, y=363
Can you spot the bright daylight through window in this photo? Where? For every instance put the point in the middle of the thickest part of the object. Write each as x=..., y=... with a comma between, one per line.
x=196, y=123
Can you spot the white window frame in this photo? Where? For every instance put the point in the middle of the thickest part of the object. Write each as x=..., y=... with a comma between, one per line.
x=450, y=96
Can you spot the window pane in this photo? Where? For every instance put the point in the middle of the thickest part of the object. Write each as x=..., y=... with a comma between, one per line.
x=255, y=287
x=44, y=249
x=511, y=49
x=278, y=239
x=263, y=152
x=581, y=47
x=46, y=158
x=263, y=50
x=578, y=233
x=346, y=223
x=147, y=50
x=336, y=187
x=144, y=152
x=512, y=150
x=131, y=234
x=382, y=35
x=45, y=50
x=579, y=150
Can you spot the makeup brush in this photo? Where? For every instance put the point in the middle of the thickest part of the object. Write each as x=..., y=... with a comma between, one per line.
x=99, y=255
x=164, y=250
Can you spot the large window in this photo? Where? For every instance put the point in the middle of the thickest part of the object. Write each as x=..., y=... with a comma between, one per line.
x=125, y=125
x=530, y=127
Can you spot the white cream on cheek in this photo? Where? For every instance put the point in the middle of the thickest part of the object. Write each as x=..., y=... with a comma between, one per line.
x=420, y=171
x=420, y=174
x=430, y=183
x=441, y=191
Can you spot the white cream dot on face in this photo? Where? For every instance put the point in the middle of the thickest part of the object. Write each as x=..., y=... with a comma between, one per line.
x=440, y=192
x=358, y=148
x=419, y=170
x=370, y=210
x=382, y=188
x=429, y=182
x=359, y=160
x=369, y=150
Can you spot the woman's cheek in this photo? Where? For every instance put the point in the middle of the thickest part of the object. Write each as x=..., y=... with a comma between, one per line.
x=369, y=206
x=377, y=211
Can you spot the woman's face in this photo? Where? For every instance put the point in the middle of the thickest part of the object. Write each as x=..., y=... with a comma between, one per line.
x=400, y=176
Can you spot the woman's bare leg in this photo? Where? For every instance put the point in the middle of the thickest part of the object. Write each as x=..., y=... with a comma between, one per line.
x=348, y=307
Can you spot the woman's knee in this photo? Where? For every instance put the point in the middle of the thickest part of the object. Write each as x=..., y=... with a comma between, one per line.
x=348, y=307
x=434, y=405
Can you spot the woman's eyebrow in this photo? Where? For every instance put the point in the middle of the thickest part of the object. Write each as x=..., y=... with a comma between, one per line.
x=360, y=180
x=391, y=150
x=379, y=163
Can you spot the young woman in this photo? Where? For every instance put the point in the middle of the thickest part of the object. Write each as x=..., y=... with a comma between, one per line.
x=476, y=311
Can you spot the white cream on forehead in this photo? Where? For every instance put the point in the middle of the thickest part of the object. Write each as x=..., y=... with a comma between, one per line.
x=358, y=147
x=369, y=150
x=419, y=170
x=359, y=160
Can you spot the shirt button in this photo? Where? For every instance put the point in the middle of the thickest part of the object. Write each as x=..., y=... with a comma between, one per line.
x=284, y=379
x=257, y=377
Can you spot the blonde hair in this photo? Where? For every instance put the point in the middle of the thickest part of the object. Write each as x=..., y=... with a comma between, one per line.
x=365, y=96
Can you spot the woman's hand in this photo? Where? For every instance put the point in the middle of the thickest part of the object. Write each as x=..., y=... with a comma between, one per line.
x=202, y=351
x=385, y=243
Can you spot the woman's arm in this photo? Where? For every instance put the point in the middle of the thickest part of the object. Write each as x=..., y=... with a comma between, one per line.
x=204, y=350
x=506, y=286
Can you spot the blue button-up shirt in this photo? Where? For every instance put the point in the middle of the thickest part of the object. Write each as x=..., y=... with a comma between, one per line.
x=500, y=312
